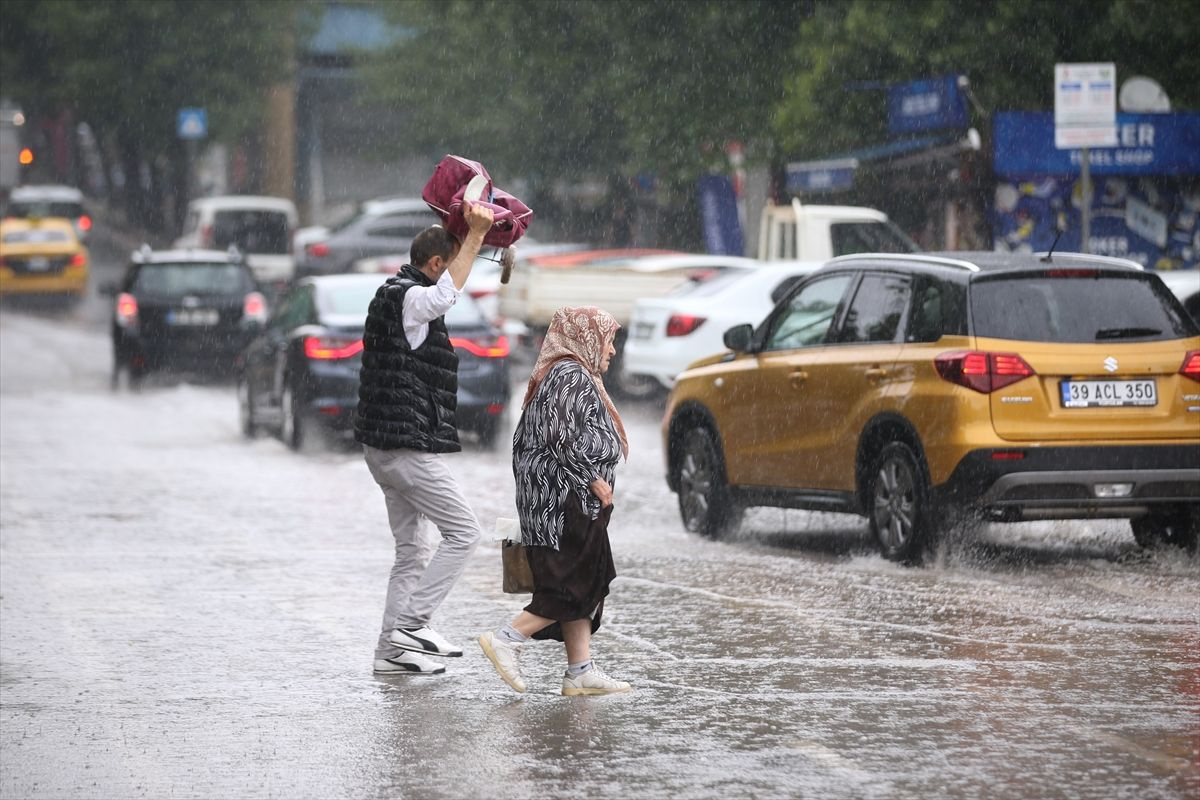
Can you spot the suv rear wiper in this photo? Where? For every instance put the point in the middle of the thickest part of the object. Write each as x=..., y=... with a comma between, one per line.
x=1125, y=333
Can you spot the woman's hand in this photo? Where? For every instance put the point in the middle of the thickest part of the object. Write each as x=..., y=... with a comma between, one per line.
x=603, y=491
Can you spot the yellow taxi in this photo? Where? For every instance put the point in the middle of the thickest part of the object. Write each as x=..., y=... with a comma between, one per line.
x=922, y=391
x=42, y=256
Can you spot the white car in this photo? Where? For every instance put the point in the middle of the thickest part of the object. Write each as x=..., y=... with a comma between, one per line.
x=666, y=334
x=260, y=227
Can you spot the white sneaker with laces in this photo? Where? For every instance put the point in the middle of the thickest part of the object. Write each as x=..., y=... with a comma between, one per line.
x=423, y=640
x=593, y=681
x=505, y=657
x=408, y=664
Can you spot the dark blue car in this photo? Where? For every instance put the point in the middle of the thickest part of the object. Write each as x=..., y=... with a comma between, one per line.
x=300, y=376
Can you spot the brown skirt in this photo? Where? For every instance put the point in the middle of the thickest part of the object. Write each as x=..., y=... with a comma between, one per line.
x=571, y=582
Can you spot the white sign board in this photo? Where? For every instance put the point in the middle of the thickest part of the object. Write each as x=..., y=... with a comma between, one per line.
x=1085, y=106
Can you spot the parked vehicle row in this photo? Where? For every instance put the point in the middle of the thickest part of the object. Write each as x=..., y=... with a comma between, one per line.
x=923, y=392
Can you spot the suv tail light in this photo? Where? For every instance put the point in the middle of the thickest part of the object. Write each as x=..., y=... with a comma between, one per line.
x=127, y=310
x=317, y=249
x=254, y=308
x=983, y=372
x=1191, y=365
x=683, y=324
x=483, y=347
x=329, y=348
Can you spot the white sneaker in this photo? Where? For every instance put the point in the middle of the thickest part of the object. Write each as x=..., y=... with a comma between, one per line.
x=505, y=657
x=594, y=681
x=408, y=664
x=423, y=640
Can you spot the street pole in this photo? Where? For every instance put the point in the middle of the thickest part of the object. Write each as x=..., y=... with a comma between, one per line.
x=1085, y=176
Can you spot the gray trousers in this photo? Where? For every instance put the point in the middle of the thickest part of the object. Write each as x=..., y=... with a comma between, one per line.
x=416, y=485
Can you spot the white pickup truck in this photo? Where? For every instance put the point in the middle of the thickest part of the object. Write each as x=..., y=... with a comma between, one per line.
x=818, y=233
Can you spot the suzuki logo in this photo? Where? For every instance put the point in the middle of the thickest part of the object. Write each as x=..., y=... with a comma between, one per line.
x=1110, y=364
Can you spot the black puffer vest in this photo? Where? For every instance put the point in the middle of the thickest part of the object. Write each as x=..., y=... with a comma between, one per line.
x=406, y=398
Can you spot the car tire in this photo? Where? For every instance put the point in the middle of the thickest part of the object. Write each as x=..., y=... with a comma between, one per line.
x=127, y=377
x=1179, y=527
x=899, y=511
x=489, y=433
x=246, y=408
x=294, y=425
x=705, y=502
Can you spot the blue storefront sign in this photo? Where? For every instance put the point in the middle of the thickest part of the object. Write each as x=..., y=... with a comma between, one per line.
x=926, y=105
x=821, y=176
x=1147, y=144
x=1144, y=205
x=718, y=207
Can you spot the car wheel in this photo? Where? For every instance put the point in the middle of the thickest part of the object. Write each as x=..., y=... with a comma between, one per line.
x=1179, y=527
x=489, y=433
x=293, y=425
x=632, y=387
x=900, y=515
x=127, y=377
x=705, y=504
x=246, y=408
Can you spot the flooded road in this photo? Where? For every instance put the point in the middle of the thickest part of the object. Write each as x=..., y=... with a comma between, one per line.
x=189, y=614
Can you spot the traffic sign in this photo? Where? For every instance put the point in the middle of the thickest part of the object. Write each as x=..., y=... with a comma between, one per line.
x=192, y=123
x=1085, y=106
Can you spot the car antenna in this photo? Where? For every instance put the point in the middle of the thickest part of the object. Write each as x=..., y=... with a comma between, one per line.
x=1046, y=258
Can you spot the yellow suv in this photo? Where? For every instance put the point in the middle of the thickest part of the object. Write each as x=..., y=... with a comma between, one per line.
x=920, y=389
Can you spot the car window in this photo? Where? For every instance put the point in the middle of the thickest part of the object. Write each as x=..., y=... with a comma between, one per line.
x=253, y=231
x=347, y=299
x=25, y=209
x=1076, y=305
x=399, y=227
x=869, y=237
x=177, y=280
x=294, y=310
x=875, y=312
x=938, y=309
x=808, y=315
x=465, y=312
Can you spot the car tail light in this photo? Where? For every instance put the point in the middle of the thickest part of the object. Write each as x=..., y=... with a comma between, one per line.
x=254, y=307
x=127, y=310
x=78, y=260
x=317, y=249
x=85, y=223
x=495, y=408
x=330, y=348
x=983, y=372
x=1191, y=365
x=477, y=294
x=485, y=348
x=683, y=324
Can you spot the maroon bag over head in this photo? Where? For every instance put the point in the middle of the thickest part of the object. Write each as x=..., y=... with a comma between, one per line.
x=444, y=194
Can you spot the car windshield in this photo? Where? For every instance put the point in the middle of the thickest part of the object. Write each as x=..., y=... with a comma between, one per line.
x=177, y=280
x=869, y=237
x=36, y=236
x=1075, y=306
x=253, y=231
x=24, y=209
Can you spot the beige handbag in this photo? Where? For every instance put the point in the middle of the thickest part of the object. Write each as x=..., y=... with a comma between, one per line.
x=518, y=578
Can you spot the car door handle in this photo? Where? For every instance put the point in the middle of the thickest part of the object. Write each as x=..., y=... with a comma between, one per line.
x=798, y=377
x=876, y=373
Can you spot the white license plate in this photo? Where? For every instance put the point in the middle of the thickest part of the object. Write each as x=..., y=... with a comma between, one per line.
x=642, y=330
x=38, y=264
x=193, y=316
x=1108, y=394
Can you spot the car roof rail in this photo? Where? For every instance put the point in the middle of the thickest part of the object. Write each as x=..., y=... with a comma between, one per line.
x=143, y=253
x=1110, y=260
x=940, y=261
x=234, y=253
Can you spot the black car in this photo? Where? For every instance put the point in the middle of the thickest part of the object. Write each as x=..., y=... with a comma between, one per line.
x=302, y=371
x=183, y=310
x=383, y=228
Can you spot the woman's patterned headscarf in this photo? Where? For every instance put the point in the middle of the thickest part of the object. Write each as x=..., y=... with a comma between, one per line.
x=581, y=333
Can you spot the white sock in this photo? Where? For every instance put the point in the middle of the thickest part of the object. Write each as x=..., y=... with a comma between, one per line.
x=579, y=668
x=510, y=634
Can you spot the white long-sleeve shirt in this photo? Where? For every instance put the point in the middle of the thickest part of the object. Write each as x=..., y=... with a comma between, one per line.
x=424, y=304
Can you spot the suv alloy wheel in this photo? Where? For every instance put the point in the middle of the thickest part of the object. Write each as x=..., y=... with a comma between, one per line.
x=704, y=501
x=899, y=494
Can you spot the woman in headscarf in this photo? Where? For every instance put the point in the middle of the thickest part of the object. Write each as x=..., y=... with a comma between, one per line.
x=565, y=452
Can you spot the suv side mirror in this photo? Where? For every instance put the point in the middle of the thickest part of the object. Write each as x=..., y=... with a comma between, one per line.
x=739, y=337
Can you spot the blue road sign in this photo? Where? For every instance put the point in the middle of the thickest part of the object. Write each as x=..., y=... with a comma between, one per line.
x=193, y=123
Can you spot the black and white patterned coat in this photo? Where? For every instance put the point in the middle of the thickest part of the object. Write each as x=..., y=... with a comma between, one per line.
x=564, y=441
